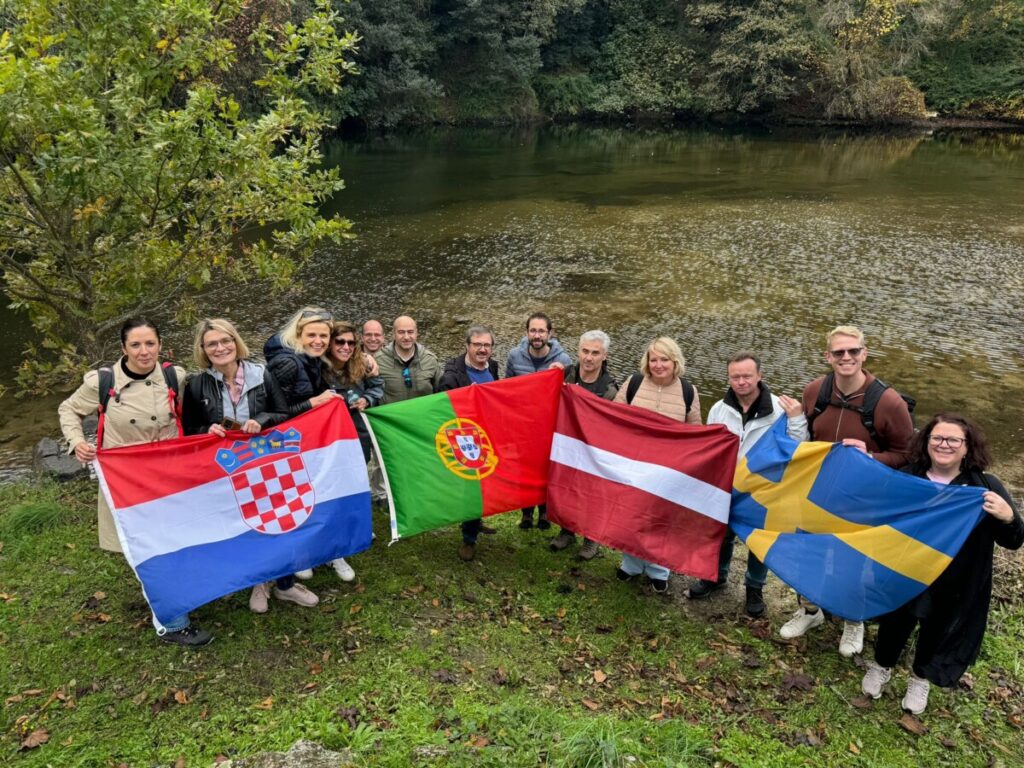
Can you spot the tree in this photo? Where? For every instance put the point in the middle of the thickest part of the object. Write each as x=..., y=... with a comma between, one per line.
x=132, y=180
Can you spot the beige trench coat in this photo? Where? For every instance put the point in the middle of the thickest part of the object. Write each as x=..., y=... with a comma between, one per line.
x=140, y=413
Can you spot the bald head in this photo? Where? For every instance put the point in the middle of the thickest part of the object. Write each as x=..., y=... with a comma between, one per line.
x=373, y=336
x=405, y=335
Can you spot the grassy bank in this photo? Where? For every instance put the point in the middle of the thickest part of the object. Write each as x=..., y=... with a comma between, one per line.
x=523, y=657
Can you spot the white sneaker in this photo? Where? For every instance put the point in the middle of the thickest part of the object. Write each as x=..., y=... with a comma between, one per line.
x=297, y=594
x=343, y=569
x=852, y=640
x=800, y=623
x=305, y=575
x=874, y=679
x=916, y=699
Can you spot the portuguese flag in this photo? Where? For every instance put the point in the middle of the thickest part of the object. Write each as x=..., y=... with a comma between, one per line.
x=466, y=453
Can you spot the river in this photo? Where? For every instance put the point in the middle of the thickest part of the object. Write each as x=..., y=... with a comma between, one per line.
x=722, y=239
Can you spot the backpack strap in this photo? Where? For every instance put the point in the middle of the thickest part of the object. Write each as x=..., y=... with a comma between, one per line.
x=632, y=386
x=106, y=391
x=171, y=380
x=687, y=394
x=867, y=410
x=822, y=401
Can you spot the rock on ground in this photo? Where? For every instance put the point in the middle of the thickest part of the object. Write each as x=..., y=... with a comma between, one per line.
x=303, y=754
x=49, y=459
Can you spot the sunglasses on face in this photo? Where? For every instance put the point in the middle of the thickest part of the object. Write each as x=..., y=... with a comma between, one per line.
x=344, y=342
x=319, y=314
x=841, y=353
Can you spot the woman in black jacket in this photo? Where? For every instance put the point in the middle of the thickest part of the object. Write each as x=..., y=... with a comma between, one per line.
x=232, y=392
x=952, y=613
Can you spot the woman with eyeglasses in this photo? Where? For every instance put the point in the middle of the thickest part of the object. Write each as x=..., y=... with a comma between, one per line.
x=952, y=613
x=297, y=359
x=137, y=399
x=232, y=392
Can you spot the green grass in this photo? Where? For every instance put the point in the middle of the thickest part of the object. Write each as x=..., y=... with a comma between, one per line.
x=523, y=657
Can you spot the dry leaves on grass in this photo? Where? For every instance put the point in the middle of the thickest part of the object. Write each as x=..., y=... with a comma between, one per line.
x=37, y=738
x=593, y=706
x=797, y=681
x=911, y=724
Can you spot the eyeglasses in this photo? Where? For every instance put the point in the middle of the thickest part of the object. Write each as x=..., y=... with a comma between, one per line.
x=407, y=377
x=226, y=343
x=480, y=345
x=344, y=342
x=952, y=442
x=841, y=353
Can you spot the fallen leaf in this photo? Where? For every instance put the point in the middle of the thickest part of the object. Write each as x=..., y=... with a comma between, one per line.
x=32, y=692
x=798, y=681
x=657, y=716
x=356, y=608
x=100, y=595
x=593, y=706
x=854, y=748
x=180, y=763
x=435, y=602
x=862, y=702
x=500, y=676
x=309, y=687
x=560, y=613
x=599, y=676
x=220, y=759
x=911, y=724
x=181, y=697
x=443, y=676
x=480, y=742
x=205, y=714
x=15, y=699
x=468, y=667
x=704, y=662
x=947, y=742
x=37, y=738
x=267, y=703
x=138, y=698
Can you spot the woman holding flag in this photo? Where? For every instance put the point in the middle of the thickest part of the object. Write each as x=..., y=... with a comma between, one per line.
x=137, y=402
x=951, y=614
x=231, y=392
x=660, y=387
x=353, y=374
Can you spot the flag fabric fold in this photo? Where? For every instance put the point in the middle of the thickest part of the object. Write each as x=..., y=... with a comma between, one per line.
x=845, y=531
x=465, y=453
x=201, y=517
x=641, y=482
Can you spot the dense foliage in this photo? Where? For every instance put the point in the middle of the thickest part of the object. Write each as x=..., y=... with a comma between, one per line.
x=510, y=60
x=133, y=180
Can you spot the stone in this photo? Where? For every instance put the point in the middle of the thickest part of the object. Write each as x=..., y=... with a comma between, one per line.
x=49, y=459
x=303, y=754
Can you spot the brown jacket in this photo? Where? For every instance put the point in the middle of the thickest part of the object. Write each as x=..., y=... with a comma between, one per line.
x=892, y=422
x=140, y=413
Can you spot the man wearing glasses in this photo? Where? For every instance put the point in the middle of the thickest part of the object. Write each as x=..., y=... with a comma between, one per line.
x=475, y=367
x=408, y=368
x=851, y=406
x=538, y=351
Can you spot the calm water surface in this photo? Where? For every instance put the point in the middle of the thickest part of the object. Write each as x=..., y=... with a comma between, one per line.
x=722, y=240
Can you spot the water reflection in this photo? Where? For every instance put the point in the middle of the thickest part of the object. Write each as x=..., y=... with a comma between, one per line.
x=723, y=240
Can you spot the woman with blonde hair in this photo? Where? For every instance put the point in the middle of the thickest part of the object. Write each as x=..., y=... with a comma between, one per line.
x=659, y=387
x=232, y=392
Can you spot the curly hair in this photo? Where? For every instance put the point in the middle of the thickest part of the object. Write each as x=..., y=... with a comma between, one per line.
x=354, y=369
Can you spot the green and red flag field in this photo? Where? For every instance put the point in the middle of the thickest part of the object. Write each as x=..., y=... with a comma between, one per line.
x=466, y=453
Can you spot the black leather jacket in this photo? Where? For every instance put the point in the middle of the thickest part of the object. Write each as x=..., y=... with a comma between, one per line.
x=203, y=403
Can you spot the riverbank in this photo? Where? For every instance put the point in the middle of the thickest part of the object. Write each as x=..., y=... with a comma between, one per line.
x=522, y=657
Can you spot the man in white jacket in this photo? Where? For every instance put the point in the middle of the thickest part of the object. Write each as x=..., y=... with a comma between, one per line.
x=748, y=410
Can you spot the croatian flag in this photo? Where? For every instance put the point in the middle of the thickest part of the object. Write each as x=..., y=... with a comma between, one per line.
x=201, y=517
x=641, y=482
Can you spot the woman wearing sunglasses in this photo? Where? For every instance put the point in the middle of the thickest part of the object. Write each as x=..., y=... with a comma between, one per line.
x=354, y=376
x=952, y=613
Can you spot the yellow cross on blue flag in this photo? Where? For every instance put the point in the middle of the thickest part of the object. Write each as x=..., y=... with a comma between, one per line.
x=843, y=530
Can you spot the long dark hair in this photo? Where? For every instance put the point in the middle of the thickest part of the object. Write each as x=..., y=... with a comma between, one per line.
x=978, y=457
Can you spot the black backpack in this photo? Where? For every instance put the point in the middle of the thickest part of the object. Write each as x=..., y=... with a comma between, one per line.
x=106, y=389
x=866, y=409
x=637, y=379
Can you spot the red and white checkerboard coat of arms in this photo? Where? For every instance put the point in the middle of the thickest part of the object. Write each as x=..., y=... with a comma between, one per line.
x=270, y=481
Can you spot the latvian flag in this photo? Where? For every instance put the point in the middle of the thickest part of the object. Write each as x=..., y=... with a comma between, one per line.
x=201, y=517
x=641, y=482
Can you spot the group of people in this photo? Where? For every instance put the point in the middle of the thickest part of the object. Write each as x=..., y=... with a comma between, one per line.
x=316, y=358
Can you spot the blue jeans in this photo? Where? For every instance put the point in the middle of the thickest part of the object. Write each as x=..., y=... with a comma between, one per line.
x=176, y=624
x=634, y=566
x=757, y=572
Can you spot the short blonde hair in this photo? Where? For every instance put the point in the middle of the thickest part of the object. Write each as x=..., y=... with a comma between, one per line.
x=292, y=330
x=845, y=330
x=220, y=325
x=669, y=349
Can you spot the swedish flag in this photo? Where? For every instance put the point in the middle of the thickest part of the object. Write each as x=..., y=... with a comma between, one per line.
x=845, y=531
